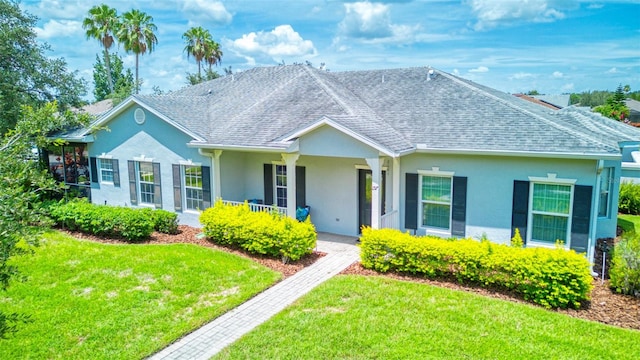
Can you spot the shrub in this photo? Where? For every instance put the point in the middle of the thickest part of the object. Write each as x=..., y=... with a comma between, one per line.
x=624, y=274
x=103, y=220
x=264, y=233
x=549, y=277
x=516, y=240
x=164, y=221
x=629, y=202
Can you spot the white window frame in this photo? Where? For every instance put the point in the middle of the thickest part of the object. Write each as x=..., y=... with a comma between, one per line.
x=140, y=183
x=276, y=186
x=549, y=180
x=101, y=161
x=185, y=188
x=607, y=191
x=435, y=172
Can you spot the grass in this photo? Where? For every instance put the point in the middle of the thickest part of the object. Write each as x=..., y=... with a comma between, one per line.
x=355, y=317
x=97, y=301
x=629, y=223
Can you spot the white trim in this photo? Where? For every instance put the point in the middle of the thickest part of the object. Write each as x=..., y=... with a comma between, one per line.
x=422, y=148
x=367, y=167
x=99, y=165
x=327, y=121
x=183, y=181
x=569, y=215
x=105, y=156
x=552, y=179
x=435, y=171
x=142, y=158
x=188, y=162
x=203, y=145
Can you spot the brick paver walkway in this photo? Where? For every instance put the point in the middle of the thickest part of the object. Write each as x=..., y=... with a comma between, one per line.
x=214, y=336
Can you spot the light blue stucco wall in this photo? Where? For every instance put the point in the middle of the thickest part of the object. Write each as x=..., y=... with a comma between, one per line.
x=327, y=141
x=490, y=186
x=154, y=139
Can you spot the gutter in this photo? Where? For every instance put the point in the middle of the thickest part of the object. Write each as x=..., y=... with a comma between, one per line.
x=423, y=149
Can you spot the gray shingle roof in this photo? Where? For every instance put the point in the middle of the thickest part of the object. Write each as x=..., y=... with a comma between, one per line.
x=398, y=109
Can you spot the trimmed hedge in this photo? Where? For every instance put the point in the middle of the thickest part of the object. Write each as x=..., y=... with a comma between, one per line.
x=629, y=202
x=131, y=224
x=625, y=266
x=263, y=233
x=553, y=278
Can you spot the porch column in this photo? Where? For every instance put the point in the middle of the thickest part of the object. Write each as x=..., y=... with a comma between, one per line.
x=290, y=161
x=395, y=193
x=376, y=179
x=217, y=192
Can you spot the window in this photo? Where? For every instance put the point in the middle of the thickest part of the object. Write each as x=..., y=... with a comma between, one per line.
x=436, y=201
x=606, y=182
x=146, y=182
x=106, y=170
x=193, y=187
x=550, y=212
x=281, y=185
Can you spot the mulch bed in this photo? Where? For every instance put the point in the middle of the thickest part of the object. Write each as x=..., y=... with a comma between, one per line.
x=605, y=306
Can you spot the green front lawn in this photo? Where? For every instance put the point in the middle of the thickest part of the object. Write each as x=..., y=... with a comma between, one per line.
x=356, y=317
x=629, y=223
x=99, y=301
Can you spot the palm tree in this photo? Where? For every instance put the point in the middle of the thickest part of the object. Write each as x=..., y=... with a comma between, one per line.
x=137, y=35
x=213, y=54
x=101, y=24
x=198, y=41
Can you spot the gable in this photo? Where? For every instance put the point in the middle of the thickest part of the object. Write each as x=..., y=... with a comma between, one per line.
x=326, y=140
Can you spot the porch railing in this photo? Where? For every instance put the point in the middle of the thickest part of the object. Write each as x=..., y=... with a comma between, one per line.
x=390, y=220
x=257, y=207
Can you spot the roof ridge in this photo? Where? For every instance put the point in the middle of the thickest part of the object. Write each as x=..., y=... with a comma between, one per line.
x=332, y=94
x=518, y=108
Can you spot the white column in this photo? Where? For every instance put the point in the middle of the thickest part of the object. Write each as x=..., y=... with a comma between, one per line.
x=376, y=179
x=290, y=161
x=217, y=192
x=396, y=184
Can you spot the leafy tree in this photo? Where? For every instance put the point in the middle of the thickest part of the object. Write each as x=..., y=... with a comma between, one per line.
x=101, y=24
x=193, y=79
x=533, y=92
x=137, y=35
x=123, y=80
x=615, y=108
x=199, y=45
x=23, y=186
x=213, y=54
x=27, y=75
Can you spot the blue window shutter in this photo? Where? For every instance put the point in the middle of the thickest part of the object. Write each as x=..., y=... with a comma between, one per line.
x=459, y=206
x=581, y=217
x=206, y=187
x=268, y=184
x=133, y=191
x=411, y=201
x=301, y=197
x=116, y=172
x=93, y=162
x=157, y=190
x=520, y=209
x=177, y=187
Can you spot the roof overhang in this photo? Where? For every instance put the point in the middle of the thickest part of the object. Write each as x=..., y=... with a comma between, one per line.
x=421, y=148
x=207, y=146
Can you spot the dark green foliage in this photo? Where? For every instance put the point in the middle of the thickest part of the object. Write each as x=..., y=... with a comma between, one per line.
x=263, y=233
x=163, y=221
x=615, y=108
x=625, y=266
x=122, y=80
x=102, y=220
x=629, y=201
x=27, y=75
x=553, y=278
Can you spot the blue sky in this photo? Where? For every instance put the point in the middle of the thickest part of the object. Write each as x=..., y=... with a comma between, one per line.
x=553, y=46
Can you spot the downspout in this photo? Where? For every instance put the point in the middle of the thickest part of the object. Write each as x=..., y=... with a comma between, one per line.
x=594, y=214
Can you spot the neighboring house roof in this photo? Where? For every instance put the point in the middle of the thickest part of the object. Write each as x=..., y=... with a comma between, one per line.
x=537, y=101
x=98, y=108
x=397, y=111
x=559, y=101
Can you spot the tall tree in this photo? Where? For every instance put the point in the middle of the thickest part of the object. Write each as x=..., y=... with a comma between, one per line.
x=213, y=54
x=137, y=35
x=101, y=24
x=123, y=80
x=198, y=41
x=27, y=75
x=615, y=107
x=23, y=185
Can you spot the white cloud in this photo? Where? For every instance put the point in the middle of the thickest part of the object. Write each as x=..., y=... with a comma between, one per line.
x=60, y=9
x=613, y=70
x=371, y=22
x=206, y=12
x=282, y=41
x=557, y=75
x=491, y=13
x=568, y=87
x=479, y=69
x=60, y=28
x=456, y=72
x=521, y=75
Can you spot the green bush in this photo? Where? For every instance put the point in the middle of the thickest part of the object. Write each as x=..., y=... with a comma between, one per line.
x=553, y=278
x=625, y=266
x=264, y=233
x=629, y=202
x=103, y=220
x=164, y=221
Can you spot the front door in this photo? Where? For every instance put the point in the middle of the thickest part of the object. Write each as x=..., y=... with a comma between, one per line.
x=364, y=197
